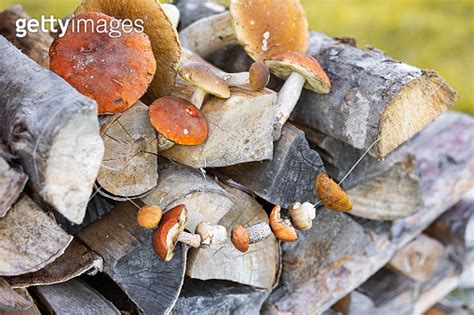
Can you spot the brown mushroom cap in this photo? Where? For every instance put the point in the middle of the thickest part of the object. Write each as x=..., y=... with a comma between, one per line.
x=268, y=27
x=166, y=236
x=259, y=75
x=178, y=120
x=240, y=238
x=157, y=25
x=282, y=229
x=115, y=71
x=282, y=65
x=204, y=78
x=331, y=194
x=149, y=217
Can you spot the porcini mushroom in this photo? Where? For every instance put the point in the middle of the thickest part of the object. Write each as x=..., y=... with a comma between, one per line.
x=257, y=77
x=299, y=71
x=177, y=121
x=149, y=217
x=331, y=194
x=282, y=228
x=171, y=231
x=242, y=236
x=205, y=80
x=302, y=215
x=114, y=71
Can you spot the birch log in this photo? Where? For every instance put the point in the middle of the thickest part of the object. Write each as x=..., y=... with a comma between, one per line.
x=53, y=129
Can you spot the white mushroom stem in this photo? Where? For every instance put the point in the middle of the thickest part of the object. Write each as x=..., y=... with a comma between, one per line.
x=286, y=101
x=172, y=12
x=258, y=232
x=193, y=240
x=236, y=79
x=198, y=97
x=211, y=235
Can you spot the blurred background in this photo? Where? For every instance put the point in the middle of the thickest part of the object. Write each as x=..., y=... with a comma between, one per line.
x=430, y=34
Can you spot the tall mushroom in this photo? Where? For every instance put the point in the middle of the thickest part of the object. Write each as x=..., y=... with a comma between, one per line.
x=115, y=71
x=177, y=121
x=205, y=80
x=157, y=25
x=299, y=71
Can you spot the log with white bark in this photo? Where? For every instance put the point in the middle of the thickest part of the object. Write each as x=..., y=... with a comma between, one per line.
x=53, y=129
x=331, y=244
x=29, y=239
x=289, y=177
x=34, y=44
x=258, y=267
x=130, y=165
x=131, y=262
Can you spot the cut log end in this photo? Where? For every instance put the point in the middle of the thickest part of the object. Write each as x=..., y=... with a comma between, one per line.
x=413, y=108
x=72, y=166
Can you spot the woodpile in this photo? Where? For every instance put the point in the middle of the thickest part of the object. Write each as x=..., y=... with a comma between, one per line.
x=190, y=186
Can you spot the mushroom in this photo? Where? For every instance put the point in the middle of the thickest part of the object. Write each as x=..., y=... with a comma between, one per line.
x=331, y=194
x=264, y=28
x=149, y=217
x=242, y=236
x=299, y=71
x=302, y=215
x=157, y=25
x=114, y=71
x=282, y=228
x=257, y=77
x=171, y=231
x=205, y=80
x=177, y=121
x=172, y=12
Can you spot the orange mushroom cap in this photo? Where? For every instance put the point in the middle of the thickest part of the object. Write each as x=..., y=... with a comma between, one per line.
x=166, y=236
x=259, y=75
x=149, y=217
x=179, y=121
x=283, y=64
x=282, y=229
x=240, y=238
x=114, y=71
x=331, y=194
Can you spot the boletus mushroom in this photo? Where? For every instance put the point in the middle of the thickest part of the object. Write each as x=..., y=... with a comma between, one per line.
x=302, y=215
x=299, y=71
x=257, y=77
x=331, y=194
x=149, y=217
x=171, y=231
x=114, y=71
x=282, y=228
x=242, y=236
x=177, y=121
x=205, y=80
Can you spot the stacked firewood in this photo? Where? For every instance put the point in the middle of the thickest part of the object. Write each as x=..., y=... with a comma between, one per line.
x=242, y=165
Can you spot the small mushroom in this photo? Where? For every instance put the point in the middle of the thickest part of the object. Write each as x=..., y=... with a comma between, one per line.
x=302, y=215
x=114, y=71
x=282, y=228
x=172, y=12
x=177, y=121
x=331, y=194
x=149, y=217
x=171, y=231
x=205, y=80
x=257, y=77
x=299, y=71
x=242, y=236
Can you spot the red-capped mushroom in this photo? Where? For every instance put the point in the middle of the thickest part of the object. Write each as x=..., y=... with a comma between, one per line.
x=149, y=217
x=242, y=236
x=282, y=228
x=114, y=71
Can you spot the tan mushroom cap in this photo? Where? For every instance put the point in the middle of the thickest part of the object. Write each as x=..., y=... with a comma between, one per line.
x=157, y=25
x=166, y=236
x=240, y=238
x=149, y=217
x=282, y=229
x=282, y=65
x=204, y=78
x=268, y=27
x=259, y=75
x=114, y=71
x=331, y=194
x=179, y=121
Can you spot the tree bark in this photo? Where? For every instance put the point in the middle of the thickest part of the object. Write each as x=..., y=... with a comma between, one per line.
x=11, y=301
x=289, y=177
x=53, y=129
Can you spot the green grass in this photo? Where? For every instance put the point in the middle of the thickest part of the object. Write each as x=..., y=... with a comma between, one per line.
x=430, y=34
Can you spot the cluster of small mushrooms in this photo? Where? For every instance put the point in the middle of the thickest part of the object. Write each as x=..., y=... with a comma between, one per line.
x=119, y=71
